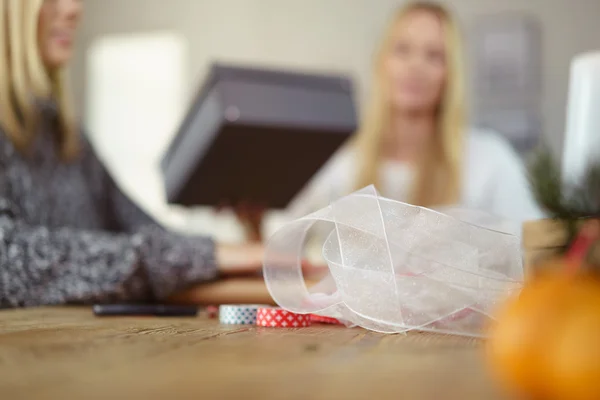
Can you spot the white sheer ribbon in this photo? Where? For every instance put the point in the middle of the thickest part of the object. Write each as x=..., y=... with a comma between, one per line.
x=394, y=267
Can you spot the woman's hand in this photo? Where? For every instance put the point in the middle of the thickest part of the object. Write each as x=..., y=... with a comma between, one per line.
x=226, y=291
x=250, y=216
x=247, y=259
x=240, y=266
x=241, y=259
x=233, y=290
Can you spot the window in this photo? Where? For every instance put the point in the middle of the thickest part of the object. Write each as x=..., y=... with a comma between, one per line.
x=135, y=99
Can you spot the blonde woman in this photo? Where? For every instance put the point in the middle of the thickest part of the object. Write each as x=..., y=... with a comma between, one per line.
x=414, y=144
x=67, y=234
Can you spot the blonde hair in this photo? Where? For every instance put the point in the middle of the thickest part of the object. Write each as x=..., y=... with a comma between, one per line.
x=438, y=171
x=24, y=79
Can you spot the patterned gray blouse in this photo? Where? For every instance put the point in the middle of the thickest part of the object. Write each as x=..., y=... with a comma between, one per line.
x=68, y=234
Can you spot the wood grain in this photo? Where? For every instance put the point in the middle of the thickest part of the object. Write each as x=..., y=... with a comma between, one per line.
x=542, y=240
x=67, y=353
x=544, y=234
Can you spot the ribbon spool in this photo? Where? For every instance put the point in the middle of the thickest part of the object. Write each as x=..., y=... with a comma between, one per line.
x=280, y=318
x=232, y=314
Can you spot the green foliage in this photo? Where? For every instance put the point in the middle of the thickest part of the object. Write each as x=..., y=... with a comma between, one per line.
x=570, y=203
x=564, y=201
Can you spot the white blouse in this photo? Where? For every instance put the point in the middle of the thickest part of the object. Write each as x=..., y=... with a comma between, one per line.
x=494, y=180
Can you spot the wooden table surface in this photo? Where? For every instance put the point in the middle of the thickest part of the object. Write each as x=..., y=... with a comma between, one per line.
x=67, y=353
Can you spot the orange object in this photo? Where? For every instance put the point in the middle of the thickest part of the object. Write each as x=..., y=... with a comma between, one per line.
x=545, y=342
x=515, y=347
x=574, y=364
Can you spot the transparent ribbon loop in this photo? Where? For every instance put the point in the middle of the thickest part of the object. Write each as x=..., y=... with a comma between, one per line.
x=394, y=267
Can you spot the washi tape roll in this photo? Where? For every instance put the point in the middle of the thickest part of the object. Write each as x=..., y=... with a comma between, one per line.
x=319, y=319
x=212, y=311
x=238, y=314
x=280, y=318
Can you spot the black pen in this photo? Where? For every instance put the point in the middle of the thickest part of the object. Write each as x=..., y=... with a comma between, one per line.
x=156, y=310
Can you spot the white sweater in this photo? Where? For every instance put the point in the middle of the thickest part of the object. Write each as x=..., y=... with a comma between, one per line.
x=494, y=180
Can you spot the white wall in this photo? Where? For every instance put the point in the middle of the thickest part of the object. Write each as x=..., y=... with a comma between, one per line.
x=135, y=96
x=329, y=35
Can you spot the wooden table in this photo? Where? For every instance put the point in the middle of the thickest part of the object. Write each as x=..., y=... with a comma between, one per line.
x=67, y=353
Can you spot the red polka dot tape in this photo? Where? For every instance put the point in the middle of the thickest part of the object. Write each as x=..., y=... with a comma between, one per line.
x=280, y=318
x=319, y=319
x=212, y=311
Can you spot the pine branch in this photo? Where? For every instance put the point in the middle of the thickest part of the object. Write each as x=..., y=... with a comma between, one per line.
x=561, y=201
x=545, y=182
x=590, y=191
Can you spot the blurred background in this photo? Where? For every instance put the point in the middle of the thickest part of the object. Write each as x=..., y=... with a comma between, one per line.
x=140, y=62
